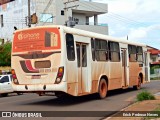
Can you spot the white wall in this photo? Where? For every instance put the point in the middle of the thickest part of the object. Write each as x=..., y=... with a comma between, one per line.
x=14, y=15
x=92, y=28
x=81, y=17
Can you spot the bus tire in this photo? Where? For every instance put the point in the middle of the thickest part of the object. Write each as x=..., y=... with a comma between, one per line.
x=18, y=93
x=4, y=94
x=61, y=95
x=102, y=89
x=138, y=86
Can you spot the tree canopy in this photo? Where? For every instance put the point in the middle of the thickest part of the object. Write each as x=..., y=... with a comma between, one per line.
x=5, y=54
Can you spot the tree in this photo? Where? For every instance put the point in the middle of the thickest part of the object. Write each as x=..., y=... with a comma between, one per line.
x=5, y=54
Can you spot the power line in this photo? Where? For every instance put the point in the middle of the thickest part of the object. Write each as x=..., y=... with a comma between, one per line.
x=116, y=16
x=47, y=7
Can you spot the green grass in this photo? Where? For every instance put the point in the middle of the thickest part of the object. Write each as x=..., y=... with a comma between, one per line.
x=156, y=111
x=145, y=95
x=156, y=78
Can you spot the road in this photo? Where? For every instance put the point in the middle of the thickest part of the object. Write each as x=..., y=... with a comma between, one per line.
x=115, y=101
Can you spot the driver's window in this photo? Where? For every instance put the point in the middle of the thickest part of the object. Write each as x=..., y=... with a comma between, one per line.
x=4, y=79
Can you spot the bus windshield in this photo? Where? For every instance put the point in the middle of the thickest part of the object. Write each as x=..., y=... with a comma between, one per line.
x=36, y=39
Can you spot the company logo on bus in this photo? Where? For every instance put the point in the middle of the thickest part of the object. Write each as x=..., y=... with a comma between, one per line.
x=28, y=36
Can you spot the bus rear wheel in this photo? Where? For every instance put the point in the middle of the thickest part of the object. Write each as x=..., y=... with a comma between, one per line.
x=4, y=94
x=102, y=90
x=138, y=86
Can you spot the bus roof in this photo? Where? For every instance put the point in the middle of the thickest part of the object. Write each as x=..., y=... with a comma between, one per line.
x=87, y=34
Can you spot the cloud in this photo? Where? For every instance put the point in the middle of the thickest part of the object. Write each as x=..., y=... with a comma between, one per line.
x=139, y=19
x=143, y=32
x=149, y=35
x=138, y=33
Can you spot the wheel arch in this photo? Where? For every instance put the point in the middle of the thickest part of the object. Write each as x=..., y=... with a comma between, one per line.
x=105, y=77
x=142, y=77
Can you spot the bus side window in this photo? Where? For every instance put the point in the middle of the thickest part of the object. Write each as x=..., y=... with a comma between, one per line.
x=70, y=47
x=132, y=53
x=114, y=51
x=101, y=50
x=139, y=54
x=93, y=49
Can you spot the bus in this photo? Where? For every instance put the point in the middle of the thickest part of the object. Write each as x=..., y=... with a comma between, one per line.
x=63, y=60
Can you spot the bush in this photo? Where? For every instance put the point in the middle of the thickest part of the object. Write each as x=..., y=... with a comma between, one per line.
x=145, y=95
x=5, y=54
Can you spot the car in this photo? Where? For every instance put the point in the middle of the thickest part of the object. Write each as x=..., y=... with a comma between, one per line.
x=6, y=85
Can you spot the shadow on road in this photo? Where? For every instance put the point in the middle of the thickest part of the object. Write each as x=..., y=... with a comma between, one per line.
x=67, y=101
x=11, y=95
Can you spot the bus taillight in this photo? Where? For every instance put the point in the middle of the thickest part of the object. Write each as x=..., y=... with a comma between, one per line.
x=14, y=77
x=59, y=75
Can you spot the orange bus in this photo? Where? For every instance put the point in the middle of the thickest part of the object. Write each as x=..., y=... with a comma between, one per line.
x=65, y=60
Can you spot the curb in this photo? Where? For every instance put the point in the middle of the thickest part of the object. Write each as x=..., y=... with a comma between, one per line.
x=156, y=94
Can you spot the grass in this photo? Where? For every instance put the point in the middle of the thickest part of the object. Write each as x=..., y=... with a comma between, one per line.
x=156, y=78
x=156, y=111
x=145, y=95
x=5, y=68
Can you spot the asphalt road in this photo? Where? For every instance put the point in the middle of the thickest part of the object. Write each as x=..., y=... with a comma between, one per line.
x=115, y=101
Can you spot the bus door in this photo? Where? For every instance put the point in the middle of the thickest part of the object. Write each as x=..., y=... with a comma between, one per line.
x=147, y=66
x=82, y=58
x=125, y=68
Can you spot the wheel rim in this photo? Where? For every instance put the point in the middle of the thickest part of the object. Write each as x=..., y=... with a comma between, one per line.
x=103, y=89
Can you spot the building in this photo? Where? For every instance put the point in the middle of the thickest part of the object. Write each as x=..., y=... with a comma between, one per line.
x=154, y=62
x=154, y=55
x=14, y=15
x=5, y=1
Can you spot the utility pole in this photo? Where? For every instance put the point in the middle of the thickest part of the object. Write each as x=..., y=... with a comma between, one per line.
x=29, y=13
x=67, y=20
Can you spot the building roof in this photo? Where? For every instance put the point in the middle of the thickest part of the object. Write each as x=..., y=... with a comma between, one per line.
x=5, y=1
x=156, y=63
x=154, y=51
x=90, y=8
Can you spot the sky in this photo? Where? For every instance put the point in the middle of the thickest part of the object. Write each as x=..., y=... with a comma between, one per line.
x=137, y=19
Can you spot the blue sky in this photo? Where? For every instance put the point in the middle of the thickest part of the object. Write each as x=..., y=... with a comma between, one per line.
x=137, y=19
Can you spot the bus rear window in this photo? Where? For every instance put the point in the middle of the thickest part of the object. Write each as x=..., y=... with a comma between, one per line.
x=43, y=64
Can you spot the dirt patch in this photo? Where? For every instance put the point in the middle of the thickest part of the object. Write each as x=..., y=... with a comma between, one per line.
x=148, y=105
x=5, y=68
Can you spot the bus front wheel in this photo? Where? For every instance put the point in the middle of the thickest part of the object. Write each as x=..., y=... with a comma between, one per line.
x=138, y=86
x=102, y=90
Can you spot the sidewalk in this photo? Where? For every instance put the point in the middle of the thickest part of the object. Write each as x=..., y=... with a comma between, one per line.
x=148, y=105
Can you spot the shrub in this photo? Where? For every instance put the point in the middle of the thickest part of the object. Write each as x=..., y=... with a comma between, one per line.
x=5, y=54
x=145, y=95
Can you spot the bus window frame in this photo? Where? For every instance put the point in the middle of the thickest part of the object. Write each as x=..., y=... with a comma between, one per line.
x=131, y=52
x=70, y=59
x=93, y=50
x=140, y=53
x=111, y=51
x=103, y=50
